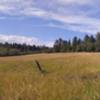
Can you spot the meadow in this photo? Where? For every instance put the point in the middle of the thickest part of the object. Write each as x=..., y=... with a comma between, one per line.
x=68, y=76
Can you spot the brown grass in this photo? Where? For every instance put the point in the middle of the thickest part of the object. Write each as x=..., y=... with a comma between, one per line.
x=70, y=76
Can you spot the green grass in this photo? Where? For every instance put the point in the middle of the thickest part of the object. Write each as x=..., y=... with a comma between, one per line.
x=70, y=76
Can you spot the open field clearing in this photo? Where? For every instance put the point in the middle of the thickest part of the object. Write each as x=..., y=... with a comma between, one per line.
x=68, y=76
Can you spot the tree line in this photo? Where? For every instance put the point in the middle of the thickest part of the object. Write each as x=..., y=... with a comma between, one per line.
x=8, y=49
x=89, y=43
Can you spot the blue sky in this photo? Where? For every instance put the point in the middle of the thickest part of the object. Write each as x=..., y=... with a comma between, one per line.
x=42, y=21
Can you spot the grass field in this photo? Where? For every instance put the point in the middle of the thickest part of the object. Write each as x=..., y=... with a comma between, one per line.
x=70, y=76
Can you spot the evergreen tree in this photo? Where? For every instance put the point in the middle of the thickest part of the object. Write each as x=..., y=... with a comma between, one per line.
x=98, y=42
x=89, y=43
x=74, y=44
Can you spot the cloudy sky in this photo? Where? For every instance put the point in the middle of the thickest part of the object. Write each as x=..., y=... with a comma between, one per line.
x=43, y=21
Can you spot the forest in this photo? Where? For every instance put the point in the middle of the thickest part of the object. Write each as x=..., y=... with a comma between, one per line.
x=89, y=43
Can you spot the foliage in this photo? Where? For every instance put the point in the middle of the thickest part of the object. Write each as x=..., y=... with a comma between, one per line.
x=88, y=44
x=7, y=49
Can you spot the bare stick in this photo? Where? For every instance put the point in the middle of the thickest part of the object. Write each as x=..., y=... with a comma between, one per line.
x=39, y=66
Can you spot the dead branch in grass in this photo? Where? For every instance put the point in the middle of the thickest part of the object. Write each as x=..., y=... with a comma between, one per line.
x=39, y=67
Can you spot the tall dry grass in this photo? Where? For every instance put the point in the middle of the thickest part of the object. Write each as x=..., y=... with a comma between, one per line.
x=71, y=76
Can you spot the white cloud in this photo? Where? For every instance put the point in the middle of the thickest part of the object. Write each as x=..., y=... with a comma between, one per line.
x=77, y=23
x=23, y=40
x=65, y=2
x=64, y=11
x=19, y=39
x=35, y=12
x=49, y=44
